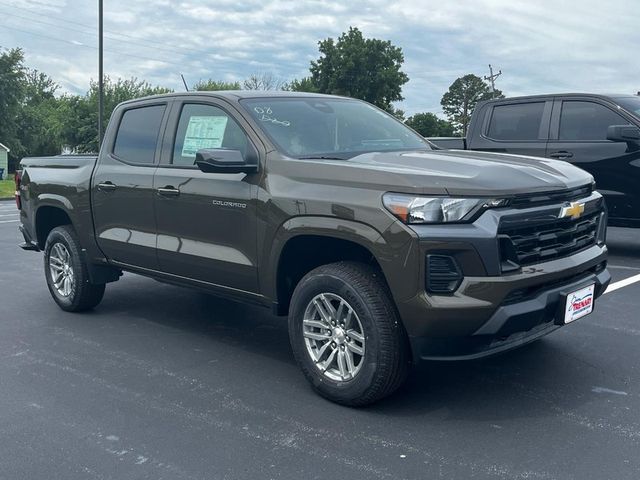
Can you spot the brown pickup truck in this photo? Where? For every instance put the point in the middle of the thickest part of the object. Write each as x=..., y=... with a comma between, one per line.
x=380, y=250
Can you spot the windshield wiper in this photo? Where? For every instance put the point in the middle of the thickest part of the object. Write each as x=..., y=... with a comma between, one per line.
x=321, y=157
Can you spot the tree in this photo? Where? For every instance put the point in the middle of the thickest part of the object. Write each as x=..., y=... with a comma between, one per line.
x=211, y=85
x=461, y=98
x=263, y=81
x=429, y=125
x=12, y=75
x=80, y=129
x=354, y=66
x=304, y=84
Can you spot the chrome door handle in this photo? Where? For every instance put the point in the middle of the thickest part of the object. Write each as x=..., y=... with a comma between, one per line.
x=168, y=191
x=561, y=155
x=107, y=187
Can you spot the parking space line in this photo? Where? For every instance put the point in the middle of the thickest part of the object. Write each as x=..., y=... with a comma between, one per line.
x=9, y=215
x=623, y=283
x=9, y=221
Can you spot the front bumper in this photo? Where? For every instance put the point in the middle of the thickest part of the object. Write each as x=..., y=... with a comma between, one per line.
x=512, y=324
x=494, y=310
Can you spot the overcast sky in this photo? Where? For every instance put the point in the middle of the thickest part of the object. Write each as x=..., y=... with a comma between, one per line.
x=541, y=46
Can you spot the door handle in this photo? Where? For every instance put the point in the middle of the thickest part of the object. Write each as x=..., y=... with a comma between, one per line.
x=107, y=187
x=168, y=191
x=561, y=155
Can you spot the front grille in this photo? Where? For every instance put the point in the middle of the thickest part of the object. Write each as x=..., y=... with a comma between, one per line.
x=531, y=244
x=549, y=198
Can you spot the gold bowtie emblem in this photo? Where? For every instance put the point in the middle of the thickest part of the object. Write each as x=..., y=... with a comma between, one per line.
x=573, y=210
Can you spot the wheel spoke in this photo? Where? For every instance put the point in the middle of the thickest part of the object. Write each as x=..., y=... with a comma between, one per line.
x=348, y=356
x=56, y=261
x=325, y=365
x=317, y=336
x=356, y=336
x=355, y=348
x=322, y=351
x=327, y=304
x=339, y=312
x=342, y=364
x=348, y=317
x=316, y=324
x=323, y=313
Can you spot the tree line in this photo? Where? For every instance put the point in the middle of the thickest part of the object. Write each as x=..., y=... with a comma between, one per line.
x=36, y=120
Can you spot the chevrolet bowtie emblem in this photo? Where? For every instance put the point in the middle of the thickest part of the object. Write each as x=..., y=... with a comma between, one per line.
x=573, y=210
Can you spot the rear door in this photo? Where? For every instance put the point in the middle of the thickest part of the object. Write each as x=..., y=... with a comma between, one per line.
x=518, y=127
x=207, y=223
x=579, y=135
x=122, y=187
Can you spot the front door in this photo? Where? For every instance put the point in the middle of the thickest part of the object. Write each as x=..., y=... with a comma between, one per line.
x=206, y=221
x=580, y=137
x=122, y=188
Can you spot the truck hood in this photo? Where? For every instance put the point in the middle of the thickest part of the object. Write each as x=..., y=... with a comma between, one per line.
x=449, y=172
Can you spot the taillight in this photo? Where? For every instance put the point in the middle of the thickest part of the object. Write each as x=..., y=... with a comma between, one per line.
x=18, y=179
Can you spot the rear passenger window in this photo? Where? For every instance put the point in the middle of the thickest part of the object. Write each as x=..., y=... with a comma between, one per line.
x=205, y=126
x=520, y=121
x=138, y=133
x=587, y=121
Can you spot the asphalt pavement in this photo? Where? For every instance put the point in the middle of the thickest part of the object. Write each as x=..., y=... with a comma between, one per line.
x=161, y=382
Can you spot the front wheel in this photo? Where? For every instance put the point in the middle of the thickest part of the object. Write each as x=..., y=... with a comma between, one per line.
x=67, y=274
x=346, y=335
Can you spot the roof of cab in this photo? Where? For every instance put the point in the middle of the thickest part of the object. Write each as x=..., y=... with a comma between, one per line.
x=235, y=95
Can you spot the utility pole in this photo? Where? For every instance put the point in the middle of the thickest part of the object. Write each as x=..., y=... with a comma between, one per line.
x=492, y=78
x=100, y=76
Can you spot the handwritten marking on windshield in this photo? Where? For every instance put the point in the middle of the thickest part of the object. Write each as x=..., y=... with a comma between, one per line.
x=266, y=116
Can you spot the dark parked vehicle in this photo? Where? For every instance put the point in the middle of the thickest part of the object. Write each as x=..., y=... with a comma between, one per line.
x=328, y=210
x=598, y=133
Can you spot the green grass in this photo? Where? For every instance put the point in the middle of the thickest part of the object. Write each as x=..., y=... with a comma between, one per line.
x=7, y=188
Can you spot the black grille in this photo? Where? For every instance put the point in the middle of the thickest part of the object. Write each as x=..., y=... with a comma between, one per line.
x=548, y=198
x=549, y=240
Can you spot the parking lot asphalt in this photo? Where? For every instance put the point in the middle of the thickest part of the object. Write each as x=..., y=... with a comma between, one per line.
x=161, y=382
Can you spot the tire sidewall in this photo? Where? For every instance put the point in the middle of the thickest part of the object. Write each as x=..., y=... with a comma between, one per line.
x=59, y=235
x=310, y=287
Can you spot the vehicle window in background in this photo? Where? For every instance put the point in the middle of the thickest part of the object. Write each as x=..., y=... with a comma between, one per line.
x=137, y=135
x=205, y=126
x=587, y=121
x=631, y=104
x=314, y=127
x=519, y=121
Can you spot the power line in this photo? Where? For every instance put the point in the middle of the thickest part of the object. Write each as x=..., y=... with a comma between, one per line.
x=162, y=46
x=492, y=78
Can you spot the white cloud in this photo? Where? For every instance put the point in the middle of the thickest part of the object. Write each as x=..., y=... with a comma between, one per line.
x=542, y=46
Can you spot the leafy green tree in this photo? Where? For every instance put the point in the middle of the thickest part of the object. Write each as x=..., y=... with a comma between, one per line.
x=429, y=125
x=354, y=66
x=211, y=85
x=461, y=98
x=304, y=84
x=80, y=114
x=38, y=120
x=12, y=74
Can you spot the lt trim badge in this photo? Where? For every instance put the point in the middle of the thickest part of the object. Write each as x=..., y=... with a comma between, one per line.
x=573, y=210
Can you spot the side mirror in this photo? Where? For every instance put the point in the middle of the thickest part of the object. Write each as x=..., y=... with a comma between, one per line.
x=220, y=160
x=623, y=133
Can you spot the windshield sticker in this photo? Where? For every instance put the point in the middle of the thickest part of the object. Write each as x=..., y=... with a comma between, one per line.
x=203, y=132
x=265, y=114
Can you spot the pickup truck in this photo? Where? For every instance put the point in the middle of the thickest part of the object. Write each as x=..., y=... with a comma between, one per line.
x=381, y=251
x=598, y=133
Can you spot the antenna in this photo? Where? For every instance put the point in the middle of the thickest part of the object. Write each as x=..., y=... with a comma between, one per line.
x=184, y=82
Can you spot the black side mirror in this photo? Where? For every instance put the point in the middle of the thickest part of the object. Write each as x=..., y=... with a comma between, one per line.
x=623, y=133
x=220, y=160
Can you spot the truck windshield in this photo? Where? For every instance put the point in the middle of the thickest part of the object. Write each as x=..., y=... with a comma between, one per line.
x=630, y=104
x=328, y=128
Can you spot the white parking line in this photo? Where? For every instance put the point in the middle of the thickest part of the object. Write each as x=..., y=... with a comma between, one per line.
x=623, y=283
x=9, y=221
x=9, y=215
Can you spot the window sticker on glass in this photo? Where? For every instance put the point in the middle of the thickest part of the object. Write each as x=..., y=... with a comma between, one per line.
x=203, y=132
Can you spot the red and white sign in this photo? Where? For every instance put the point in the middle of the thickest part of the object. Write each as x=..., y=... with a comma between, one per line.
x=579, y=304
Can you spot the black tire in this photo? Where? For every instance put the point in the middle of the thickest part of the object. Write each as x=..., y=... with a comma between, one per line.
x=386, y=360
x=83, y=295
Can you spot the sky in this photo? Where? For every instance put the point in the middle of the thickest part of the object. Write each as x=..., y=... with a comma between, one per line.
x=541, y=46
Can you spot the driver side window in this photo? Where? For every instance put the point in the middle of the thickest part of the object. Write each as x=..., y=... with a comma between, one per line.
x=205, y=126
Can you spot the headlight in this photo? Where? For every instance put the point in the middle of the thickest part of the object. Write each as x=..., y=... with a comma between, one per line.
x=413, y=209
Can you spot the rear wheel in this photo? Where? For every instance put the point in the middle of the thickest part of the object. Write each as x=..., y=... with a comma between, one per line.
x=67, y=274
x=346, y=335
